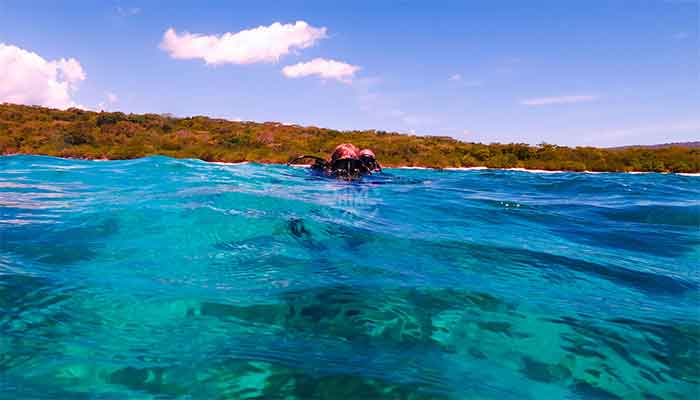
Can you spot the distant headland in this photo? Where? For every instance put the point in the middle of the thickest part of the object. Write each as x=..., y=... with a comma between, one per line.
x=114, y=135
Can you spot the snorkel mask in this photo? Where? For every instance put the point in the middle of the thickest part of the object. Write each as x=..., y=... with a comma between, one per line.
x=346, y=168
x=345, y=162
x=369, y=161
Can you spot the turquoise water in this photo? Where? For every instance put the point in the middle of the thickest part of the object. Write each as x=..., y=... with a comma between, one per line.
x=163, y=278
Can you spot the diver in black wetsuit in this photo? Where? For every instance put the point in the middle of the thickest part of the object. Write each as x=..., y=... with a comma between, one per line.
x=346, y=162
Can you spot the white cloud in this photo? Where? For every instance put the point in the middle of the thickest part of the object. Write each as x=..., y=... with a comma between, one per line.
x=326, y=69
x=127, y=11
x=543, y=101
x=261, y=44
x=643, y=132
x=459, y=79
x=385, y=107
x=111, y=100
x=652, y=133
x=27, y=78
x=71, y=70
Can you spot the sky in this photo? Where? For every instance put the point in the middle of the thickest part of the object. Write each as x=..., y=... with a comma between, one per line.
x=576, y=73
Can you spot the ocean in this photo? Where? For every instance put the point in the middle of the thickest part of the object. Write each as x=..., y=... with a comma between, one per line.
x=160, y=278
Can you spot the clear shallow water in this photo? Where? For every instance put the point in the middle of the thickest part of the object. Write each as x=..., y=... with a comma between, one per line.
x=163, y=278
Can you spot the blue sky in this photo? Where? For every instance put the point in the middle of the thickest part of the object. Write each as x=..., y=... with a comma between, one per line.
x=567, y=72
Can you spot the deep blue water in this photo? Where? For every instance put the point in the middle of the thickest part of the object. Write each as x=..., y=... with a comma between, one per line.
x=163, y=278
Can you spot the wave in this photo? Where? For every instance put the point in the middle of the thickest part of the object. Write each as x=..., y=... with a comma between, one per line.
x=158, y=277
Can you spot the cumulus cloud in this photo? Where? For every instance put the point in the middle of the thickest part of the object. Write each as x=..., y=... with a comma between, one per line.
x=456, y=77
x=543, y=101
x=261, y=44
x=326, y=69
x=27, y=78
x=111, y=99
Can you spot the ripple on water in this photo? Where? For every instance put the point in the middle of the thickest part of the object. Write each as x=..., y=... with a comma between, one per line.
x=163, y=278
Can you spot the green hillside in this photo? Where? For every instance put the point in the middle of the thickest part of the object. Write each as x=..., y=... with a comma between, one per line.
x=115, y=135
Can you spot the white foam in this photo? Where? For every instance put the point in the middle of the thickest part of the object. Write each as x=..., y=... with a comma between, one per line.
x=466, y=168
x=59, y=167
x=536, y=171
x=481, y=168
x=228, y=163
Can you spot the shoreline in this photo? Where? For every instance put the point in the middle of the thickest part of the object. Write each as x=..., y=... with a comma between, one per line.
x=406, y=167
x=113, y=135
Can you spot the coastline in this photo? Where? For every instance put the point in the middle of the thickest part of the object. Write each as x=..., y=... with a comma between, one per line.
x=113, y=135
x=405, y=167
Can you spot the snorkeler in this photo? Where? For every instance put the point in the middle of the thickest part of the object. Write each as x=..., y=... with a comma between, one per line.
x=347, y=162
x=369, y=161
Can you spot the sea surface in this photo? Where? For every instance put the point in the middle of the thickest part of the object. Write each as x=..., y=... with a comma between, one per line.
x=159, y=278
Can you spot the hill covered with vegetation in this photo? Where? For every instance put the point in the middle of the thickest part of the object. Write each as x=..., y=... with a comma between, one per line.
x=115, y=135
